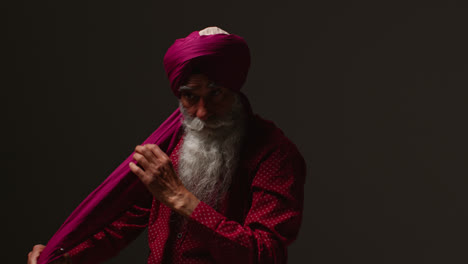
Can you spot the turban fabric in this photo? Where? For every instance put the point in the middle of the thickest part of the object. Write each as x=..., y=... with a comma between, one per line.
x=109, y=200
x=224, y=59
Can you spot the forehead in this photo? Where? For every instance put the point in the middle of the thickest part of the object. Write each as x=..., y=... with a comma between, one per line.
x=197, y=80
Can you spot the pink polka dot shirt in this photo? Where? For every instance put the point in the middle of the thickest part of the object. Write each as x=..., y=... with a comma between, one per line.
x=254, y=223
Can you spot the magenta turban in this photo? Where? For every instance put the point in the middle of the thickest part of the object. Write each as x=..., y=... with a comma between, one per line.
x=224, y=58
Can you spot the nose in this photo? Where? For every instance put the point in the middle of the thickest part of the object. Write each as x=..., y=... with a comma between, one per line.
x=202, y=110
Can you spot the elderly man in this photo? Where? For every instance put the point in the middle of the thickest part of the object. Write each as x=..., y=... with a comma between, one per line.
x=231, y=188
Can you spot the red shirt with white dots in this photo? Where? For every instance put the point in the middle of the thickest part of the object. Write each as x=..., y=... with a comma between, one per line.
x=254, y=223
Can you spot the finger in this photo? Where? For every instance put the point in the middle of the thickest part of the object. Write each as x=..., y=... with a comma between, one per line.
x=146, y=152
x=32, y=259
x=142, y=161
x=157, y=151
x=34, y=254
x=159, y=154
x=162, y=157
x=137, y=171
x=29, y=258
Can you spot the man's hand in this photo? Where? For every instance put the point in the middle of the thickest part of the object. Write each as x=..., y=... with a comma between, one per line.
x=36, y=251
x=156, y=172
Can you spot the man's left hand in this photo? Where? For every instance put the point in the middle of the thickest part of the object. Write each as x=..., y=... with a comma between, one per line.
x=155, y=171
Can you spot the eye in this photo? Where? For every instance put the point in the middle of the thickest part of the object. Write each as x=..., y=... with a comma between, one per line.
x=190, y=97
x=216, y=92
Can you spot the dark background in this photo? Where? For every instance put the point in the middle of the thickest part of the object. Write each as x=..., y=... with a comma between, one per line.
x=373, y=94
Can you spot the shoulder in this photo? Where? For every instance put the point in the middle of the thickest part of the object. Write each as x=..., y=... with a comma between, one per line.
x=264, y=135
x=275, y=163
x=266, y=144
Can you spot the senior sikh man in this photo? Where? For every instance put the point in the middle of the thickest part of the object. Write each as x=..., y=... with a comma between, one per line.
x=231, y=188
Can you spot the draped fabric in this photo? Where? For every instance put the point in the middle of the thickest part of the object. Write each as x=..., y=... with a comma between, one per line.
x=109, y=200
x=224, y=58
x=254, y=223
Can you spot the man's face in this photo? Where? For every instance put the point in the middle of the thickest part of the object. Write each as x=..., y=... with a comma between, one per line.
x=204, y=99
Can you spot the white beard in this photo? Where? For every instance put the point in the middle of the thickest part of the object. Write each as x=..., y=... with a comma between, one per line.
x=210, y=152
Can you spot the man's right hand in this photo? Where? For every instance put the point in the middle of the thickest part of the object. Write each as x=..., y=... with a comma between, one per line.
x=36, y=251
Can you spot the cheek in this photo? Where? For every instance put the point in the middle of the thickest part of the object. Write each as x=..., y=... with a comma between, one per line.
x=188, y=107
x=226, y=106
x=191, y=110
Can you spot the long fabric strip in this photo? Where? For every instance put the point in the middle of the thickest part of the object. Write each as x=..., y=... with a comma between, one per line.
x=110, y=199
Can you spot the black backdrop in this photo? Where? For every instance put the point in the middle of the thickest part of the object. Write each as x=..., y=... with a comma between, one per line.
x=372, y=93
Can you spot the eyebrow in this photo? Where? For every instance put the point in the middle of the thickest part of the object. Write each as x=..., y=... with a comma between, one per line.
x=185, y=88
x=188, y=88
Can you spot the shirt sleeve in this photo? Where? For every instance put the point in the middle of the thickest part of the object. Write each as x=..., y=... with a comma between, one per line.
x=273, y=220
x=114, y=237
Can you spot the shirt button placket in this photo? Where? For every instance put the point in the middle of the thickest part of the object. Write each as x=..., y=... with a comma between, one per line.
x=180, y=239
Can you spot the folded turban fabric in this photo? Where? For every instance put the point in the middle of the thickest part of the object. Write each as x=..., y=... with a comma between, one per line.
x=118, y=193
x=224, y=58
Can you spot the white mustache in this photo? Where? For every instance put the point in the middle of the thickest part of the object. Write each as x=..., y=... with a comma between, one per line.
x=196, y=124
x=229, y=120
